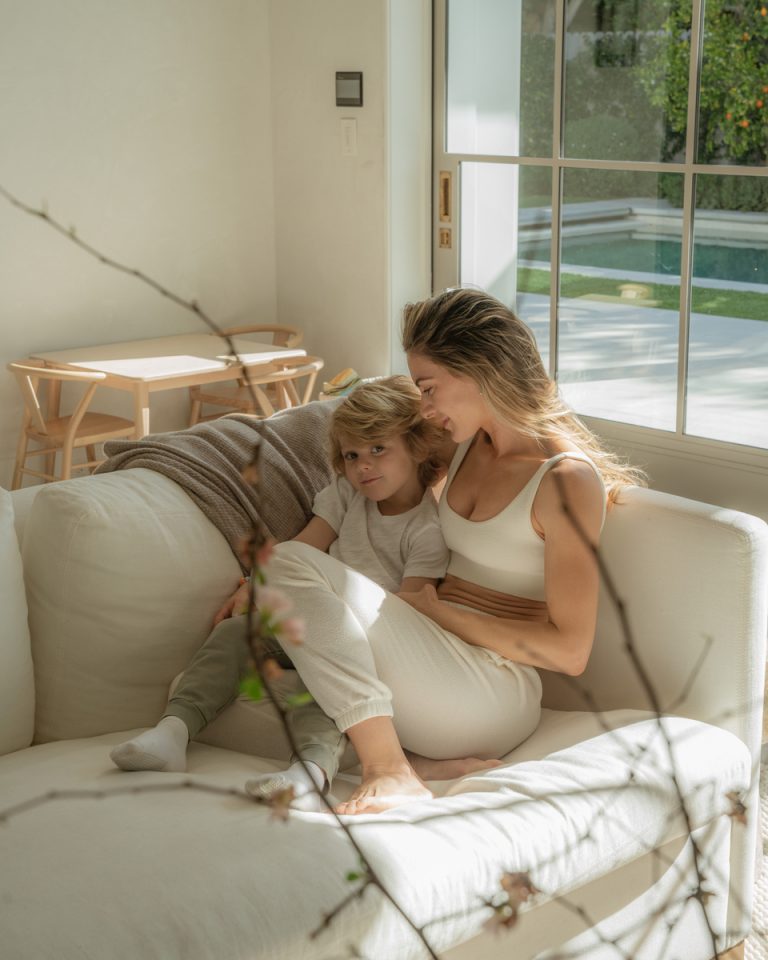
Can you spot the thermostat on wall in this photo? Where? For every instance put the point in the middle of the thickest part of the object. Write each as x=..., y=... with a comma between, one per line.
x=349, y=89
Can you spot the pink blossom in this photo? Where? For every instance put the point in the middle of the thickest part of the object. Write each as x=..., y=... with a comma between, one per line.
x=273, y=601
x=293, y=630
x=264, y=553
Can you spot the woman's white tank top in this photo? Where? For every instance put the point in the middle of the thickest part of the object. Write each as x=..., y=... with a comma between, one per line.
x=502, y=553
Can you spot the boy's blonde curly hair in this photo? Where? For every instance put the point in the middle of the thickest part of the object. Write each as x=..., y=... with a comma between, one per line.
x=380, y=410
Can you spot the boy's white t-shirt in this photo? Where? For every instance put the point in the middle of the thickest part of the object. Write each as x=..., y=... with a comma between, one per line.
x=384, y=549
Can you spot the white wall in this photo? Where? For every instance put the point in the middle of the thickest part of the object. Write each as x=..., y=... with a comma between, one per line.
x=200, y=141
x=352, y=233
x=148, y=126
x=409, y=136
x=331, y=238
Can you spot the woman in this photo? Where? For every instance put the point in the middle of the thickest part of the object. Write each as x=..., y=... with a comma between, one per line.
x=451, y=672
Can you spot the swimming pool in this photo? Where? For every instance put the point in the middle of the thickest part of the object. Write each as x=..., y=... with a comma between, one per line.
x=714, y=261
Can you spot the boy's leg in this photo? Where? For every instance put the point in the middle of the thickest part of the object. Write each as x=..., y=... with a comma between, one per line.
x=208, y=685
x=319, y=743
x=212, y=680
x=318, y=739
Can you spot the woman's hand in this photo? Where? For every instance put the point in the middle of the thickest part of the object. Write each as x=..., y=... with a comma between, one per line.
x=234, y=605
x=424, y=600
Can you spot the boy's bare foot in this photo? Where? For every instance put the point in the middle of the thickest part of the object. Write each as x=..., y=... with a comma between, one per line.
x=429, y=769
x=384, y=789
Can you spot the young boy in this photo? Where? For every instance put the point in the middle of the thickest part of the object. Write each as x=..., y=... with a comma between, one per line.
x=379, y=517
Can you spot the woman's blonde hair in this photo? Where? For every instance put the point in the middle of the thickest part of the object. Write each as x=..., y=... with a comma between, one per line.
x=472, y=334
x=380, y=410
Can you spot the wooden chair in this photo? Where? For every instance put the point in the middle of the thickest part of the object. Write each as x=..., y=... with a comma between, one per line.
x=61, y=434
x=280, y=336
x=270, y=390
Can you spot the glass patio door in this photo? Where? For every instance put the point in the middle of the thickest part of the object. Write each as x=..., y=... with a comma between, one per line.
x=600, y=166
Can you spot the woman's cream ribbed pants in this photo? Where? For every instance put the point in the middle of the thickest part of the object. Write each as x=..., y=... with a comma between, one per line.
x=369, y=654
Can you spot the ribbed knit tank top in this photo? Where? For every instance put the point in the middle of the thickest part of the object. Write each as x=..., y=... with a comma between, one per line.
x=502, y=553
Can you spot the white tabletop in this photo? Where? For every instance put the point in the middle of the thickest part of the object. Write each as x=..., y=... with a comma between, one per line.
x=162, y=357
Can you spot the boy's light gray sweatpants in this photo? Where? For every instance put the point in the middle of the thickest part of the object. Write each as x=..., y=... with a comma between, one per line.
x=211, y=682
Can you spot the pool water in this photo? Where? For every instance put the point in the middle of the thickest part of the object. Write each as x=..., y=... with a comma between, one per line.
x=710, y=261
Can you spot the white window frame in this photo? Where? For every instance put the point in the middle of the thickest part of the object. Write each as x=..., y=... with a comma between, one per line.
x=445, y=261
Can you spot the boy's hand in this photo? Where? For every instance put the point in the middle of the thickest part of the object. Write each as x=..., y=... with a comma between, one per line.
x=234, y=605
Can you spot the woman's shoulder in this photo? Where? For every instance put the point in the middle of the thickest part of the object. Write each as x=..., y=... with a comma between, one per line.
x=575, y=469
x=575, y=483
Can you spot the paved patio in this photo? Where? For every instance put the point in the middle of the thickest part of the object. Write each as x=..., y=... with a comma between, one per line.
x=619, y=361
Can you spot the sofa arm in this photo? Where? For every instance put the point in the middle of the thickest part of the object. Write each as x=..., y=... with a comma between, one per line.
x=693, y=579
x=22, y=501
x=17, y=693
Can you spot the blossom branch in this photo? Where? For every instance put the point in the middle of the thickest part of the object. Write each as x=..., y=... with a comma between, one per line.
x=631, y=648
x=260, y=655
x=256, y=540
x=70, y=233
x=83, y=794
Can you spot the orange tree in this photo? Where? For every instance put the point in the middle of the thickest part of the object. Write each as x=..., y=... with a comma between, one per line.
x=733, y=105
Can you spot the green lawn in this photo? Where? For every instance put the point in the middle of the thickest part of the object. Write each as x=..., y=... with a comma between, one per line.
x=719, y=303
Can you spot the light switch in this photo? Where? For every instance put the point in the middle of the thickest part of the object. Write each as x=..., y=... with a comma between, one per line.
x=348, y=137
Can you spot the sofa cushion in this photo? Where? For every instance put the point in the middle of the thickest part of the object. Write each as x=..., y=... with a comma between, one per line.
x=17, y=692
x=124, y=574
x=181, y=874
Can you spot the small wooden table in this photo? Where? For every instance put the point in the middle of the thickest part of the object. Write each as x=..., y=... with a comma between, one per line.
x=164, y=363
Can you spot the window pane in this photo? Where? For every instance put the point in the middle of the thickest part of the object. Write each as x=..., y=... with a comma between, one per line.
x=619, y=297
x=733, y=116
x=626, y=73
x=534, y=255
x=727, y=396
x=503, y=206
x=500, y=77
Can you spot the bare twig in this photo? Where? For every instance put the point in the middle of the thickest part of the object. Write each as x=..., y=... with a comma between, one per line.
x=253, y=637
x=631, y=648
x=189, y=784
x=191, y=305
x=259, y=654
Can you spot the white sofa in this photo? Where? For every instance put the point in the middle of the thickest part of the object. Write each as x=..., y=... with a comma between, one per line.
x=122, y=575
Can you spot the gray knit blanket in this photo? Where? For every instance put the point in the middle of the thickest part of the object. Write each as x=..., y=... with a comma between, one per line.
x=207, y=461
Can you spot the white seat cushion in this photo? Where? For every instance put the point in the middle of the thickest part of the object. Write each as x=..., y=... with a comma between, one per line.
x=187, y=875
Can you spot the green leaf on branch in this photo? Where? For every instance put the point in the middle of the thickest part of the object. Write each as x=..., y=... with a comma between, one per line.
x=252, y=687
x=299, y=699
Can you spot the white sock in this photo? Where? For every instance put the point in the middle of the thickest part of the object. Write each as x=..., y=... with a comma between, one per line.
x=305, y=785
x=164, y=747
